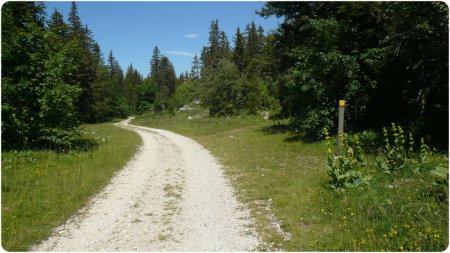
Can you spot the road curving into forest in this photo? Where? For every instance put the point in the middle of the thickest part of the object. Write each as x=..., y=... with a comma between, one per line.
x=172, y=196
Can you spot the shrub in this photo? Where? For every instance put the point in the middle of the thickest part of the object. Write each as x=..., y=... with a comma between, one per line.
x=399, y=154
x=345, y=171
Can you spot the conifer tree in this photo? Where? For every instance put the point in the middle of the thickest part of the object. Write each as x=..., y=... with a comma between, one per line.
x=181, y=78
x=214, y=36
x=56, y=24
x=74, y=21
x=253, y=46
x=98, y=55
x=211, y=54
x=261, y=37
x=165, y=85
x=154, y=64
x=239, y=51
x=167, y=73
x=224, y=45
x=195, y=69
x=131, y=84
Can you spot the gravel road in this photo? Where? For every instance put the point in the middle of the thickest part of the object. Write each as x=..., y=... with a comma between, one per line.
x=172, y=196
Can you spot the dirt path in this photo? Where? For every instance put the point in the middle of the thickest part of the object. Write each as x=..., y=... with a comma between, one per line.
x=172, y=196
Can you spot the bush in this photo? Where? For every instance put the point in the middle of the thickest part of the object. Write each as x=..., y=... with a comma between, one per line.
x=399, y=154
x=345, y=171
x=311, y=125
x=185, y=93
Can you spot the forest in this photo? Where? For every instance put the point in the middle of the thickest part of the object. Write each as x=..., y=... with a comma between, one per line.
x=388, y=60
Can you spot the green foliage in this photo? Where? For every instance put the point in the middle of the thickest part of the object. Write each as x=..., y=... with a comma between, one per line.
x=54, y=77
x=163, y=75
x=239, y=51
x=35, y=93
x=41, y=189
x=345, y=171
x=286, y=180
x=399, y=154
x=185, y=93
x=222, y=89
x=364, y=53
x=309, y=126
x=146, y=97
x=234, y=82
x=131, y=84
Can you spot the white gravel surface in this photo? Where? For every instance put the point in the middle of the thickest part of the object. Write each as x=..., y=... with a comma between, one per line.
x=172, y=196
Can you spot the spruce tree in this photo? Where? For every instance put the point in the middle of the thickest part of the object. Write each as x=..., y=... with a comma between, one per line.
x=167, y=73
x=214, y=37
x=181, y=78
x=131, y=84
x=74, y=21
x=261, y=37
x=211, y=55
x=239, y=51
x=165, y=85
x=195, y=69
x=253, y=46
x=154, y=64
x=56, y=24
x=98, y=55
x=224, y=45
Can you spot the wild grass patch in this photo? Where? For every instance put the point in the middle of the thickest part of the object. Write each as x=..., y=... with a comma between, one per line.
x=42, y=189
x=287, y=187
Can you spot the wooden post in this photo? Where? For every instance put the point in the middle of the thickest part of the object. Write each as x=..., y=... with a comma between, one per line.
x=340, y=134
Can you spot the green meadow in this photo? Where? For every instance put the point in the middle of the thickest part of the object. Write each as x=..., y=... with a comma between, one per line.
x=41, y=189
x=285, y=182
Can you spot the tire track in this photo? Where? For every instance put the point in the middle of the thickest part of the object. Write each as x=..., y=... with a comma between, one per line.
x=172, y=196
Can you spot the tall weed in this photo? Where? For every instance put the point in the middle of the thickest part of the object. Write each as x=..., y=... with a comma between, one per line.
x=345, y=170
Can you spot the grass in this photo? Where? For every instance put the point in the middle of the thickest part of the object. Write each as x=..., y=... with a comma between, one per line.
x=285, y=184
x=42, y=189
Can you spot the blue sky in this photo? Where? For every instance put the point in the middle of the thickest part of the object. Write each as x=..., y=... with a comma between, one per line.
x=179, y=29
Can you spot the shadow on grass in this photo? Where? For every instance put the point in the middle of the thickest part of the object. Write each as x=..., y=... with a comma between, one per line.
x=296, y=137
x=277, y=128
x=81, y=145
x=286, y=128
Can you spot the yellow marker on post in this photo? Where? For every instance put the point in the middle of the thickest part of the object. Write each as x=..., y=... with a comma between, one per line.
x=340, y=135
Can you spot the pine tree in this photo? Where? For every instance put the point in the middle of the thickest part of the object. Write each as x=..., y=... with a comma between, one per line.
x=117, y=100
x=111, y=64
x=98, y=55
x=195, y=69
x=239, y=51
x=167, y=73
x=86, y=39
x=131, y=84
x=211, y=55
x=74, y=22
x=154, y=64
x=224, y=45
x=261, y=37
x=253, y=46
x=56, y=24
x=165, y=85
x=214, y=37
x=181, y=78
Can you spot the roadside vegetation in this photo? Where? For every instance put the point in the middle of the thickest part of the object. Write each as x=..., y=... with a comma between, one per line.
x=296, y=203
x=41, y=189
x=389, y=60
